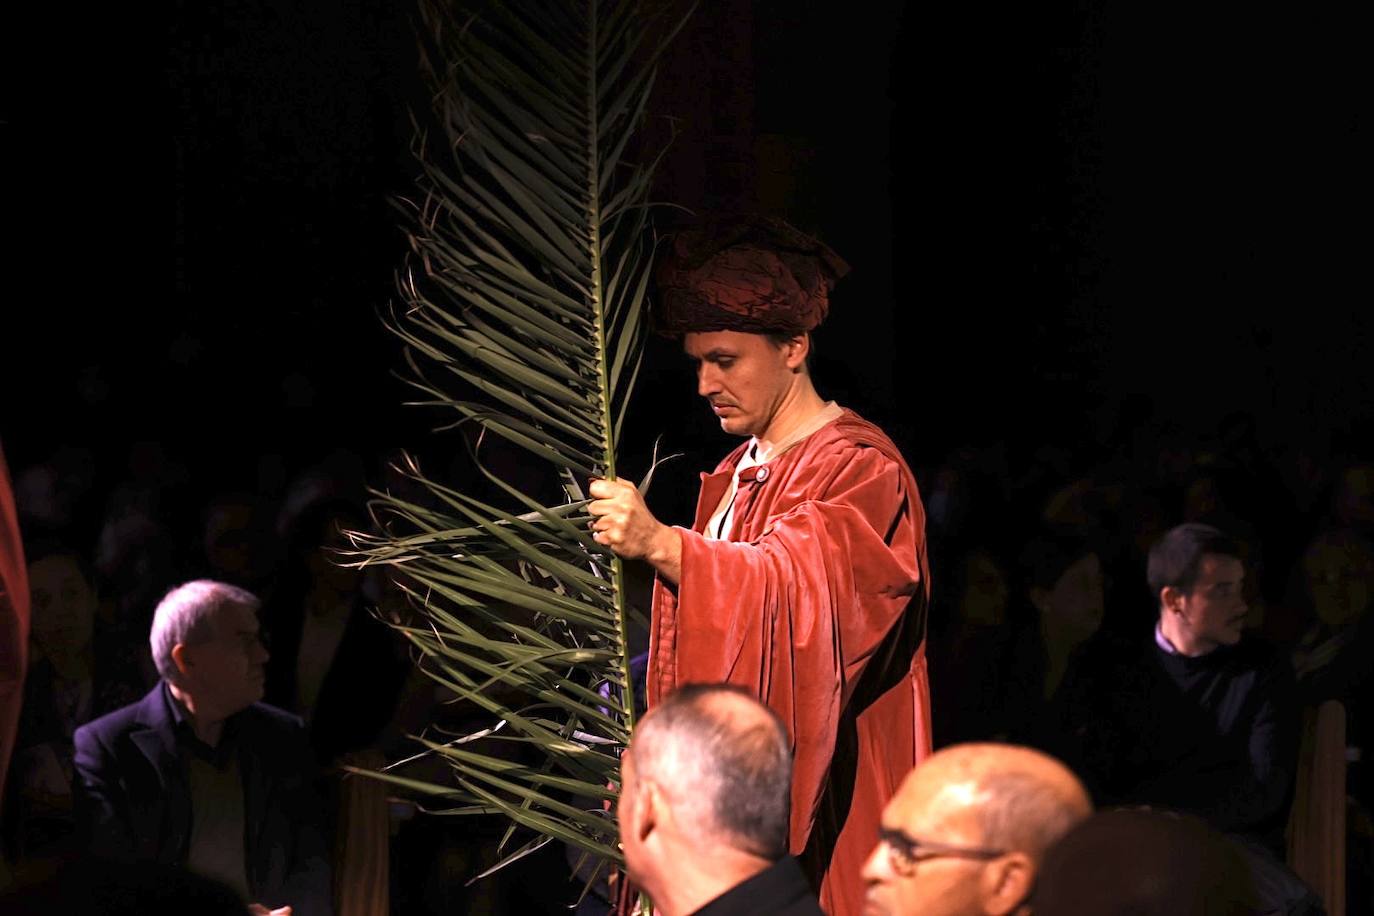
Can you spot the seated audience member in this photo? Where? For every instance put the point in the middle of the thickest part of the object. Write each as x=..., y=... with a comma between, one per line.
x=1065, y=591
x=75, y=674
x=705, y=800
x=1145, y=863
x=135, y=565
x=323, y=635
x=965, y=833
x=1334, y=660
x=1352, y=500
x=970, y=650
x=198, y=773
x=1199, y=717
x=239, y=544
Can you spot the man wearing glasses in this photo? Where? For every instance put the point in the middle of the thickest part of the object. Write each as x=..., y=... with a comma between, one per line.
x=966, y=831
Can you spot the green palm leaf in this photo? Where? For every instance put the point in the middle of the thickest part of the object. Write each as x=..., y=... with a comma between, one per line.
x=524, y=298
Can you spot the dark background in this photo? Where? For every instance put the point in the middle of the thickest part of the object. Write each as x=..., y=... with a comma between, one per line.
x=1051, y=211
x=1067, y=224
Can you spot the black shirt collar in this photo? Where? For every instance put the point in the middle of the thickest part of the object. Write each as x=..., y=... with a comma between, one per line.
x=218, y=755
x=779, y=888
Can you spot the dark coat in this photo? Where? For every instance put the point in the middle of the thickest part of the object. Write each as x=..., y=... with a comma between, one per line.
x=133, y=798
x=779, y=890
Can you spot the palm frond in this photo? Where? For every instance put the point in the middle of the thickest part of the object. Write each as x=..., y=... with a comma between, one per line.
x=523, y=316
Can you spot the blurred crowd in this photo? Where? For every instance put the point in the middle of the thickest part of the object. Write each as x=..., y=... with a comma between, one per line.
x=1039, y=559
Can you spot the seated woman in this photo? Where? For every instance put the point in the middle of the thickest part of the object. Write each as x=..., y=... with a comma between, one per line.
x=1063, y=589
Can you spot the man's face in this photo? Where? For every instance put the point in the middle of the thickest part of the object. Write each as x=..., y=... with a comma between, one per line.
x=746, y=377
x=933, y=809
x=1213, y=612
x=226, y=673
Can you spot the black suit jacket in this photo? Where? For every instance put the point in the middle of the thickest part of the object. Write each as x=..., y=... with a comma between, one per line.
x=133, y=798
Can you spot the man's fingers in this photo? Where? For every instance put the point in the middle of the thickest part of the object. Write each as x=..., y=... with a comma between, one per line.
x=609, y=489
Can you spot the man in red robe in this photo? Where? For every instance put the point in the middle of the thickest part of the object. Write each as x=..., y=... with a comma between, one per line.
x=804, y=576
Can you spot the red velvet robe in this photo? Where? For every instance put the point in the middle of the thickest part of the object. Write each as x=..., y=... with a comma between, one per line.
x=818, y=605
x=14, y=621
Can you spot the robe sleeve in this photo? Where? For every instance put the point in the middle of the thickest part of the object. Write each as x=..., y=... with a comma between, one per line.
x=14, y=621
x=796, y=614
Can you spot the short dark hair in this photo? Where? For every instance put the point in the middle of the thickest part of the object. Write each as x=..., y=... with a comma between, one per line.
x=744, y=763
x=1175, y=558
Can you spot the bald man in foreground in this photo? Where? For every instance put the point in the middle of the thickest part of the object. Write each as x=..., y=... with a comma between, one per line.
x=965, y=833
x=705, y=802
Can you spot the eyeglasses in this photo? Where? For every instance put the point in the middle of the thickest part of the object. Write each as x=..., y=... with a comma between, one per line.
x=904, y=853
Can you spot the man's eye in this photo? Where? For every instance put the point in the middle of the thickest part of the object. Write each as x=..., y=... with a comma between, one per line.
x=725, y=363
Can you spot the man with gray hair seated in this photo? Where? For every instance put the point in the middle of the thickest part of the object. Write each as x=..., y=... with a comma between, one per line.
x=705, y=801
x=199, y=773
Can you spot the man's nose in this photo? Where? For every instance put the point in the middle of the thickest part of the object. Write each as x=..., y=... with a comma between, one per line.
x=707, y=383
x=874, y=865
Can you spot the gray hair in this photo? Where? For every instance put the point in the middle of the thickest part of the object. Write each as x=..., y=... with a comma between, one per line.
x=1025, y=799
x=186, y=616
x=1026, y=812
x=725, y=760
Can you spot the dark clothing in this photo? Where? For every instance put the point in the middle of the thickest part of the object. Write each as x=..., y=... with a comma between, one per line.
x=977, y=699
x=134, y=804
x=1214, y=735
x=350, y=711
x=780, y=889
x=53, y=708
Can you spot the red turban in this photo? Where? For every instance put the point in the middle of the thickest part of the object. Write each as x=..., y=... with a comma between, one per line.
x=744, y=273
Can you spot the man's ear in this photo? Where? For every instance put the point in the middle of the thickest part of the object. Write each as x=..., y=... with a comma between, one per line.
x=180, y=659
x=1007, y=883
x=1171, y=598
x=649, y=812
x=797, y=349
